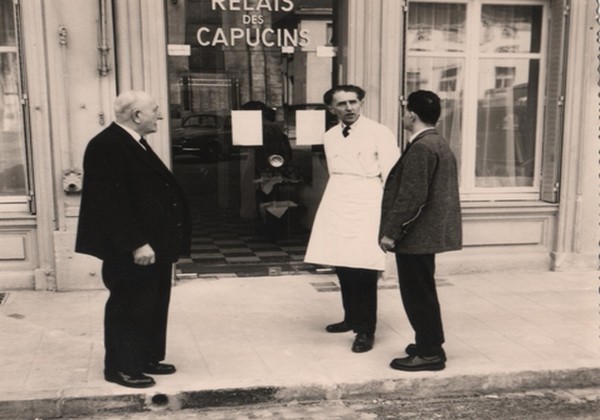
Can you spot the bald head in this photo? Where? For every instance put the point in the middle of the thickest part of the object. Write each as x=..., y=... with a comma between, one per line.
x=137, y=110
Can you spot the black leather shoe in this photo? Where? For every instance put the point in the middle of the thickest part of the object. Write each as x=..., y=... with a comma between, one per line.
x=340, y=327
x=411, y=350
x=363, y=342
x=131, y=381
x=418, y=363
x=159, y=369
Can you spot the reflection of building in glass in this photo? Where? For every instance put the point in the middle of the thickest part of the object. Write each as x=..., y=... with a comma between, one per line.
x=222, y=76
x=505, y=77
x=507, y=29
x=436, y=27
x=448, y=80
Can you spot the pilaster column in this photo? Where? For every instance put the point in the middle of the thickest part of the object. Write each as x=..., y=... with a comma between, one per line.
x=140, y=38
x=371, y=54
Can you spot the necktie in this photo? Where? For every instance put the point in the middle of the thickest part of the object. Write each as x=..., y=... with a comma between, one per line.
x=144, y=143
x=346, y=131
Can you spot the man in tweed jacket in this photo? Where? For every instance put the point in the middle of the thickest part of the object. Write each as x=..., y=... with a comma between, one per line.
x=421, y=217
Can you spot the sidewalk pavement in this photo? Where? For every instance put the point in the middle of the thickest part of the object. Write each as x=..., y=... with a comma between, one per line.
x=247, y=340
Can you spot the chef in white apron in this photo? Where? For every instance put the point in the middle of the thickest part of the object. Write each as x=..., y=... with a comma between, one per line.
x=360, y=153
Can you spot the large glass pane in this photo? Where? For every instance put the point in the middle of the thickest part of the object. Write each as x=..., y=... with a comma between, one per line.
x=506, y=122
x=510, y=29
x=445, y=76
x=228, y=56
x=12, y=140
x=7, y=24
x=436, y=27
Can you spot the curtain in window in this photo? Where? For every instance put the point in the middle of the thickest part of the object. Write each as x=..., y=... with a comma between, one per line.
x=436, y=42
x=507, y=96
x=12, y=144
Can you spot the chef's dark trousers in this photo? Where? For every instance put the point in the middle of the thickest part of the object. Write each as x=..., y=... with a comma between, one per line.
x=135, y=318
x=359, y=298
x=416, y=276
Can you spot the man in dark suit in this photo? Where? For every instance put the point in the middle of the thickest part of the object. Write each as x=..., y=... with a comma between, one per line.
x=133, y=217
x=421, y=217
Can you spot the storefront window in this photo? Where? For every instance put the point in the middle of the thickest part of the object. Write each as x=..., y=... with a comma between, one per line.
x=275, y=57
x=492, y=120
x=13, y=179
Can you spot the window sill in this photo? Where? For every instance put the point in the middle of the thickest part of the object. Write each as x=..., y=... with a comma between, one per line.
x=510, y=207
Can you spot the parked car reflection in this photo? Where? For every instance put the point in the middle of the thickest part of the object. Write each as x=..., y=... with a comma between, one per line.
x=206, y=135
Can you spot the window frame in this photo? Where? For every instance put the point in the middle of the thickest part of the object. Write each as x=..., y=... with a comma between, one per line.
x=471, y=57
x=20, y=203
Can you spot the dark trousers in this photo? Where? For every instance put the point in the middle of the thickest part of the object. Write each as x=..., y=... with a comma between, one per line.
x=135, y=318
x=359, y=298
x=419, y=296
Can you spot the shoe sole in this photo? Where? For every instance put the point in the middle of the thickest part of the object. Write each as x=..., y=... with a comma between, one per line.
x=160, y=373
x=362, y=350
x=435, y=367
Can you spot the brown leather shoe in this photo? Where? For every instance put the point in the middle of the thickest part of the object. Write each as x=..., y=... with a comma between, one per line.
x=131, y=381
x=418, y=363
x=363, y=342
x=159, y=369
x=340, y=327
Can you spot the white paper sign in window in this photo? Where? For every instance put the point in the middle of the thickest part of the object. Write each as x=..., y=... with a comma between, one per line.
x=310, y=127
x=246, y=128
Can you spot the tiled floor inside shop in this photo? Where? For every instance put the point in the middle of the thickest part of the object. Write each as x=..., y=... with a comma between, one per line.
x=225, y=243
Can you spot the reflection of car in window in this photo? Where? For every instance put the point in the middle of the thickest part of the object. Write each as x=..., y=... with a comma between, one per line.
x=206, y=135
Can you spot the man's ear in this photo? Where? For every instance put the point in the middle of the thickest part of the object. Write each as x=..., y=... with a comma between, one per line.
x=330, y=109
x=135, y=115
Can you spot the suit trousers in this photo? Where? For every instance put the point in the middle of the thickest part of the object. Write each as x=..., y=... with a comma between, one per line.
x=359, y=298
x=135, y=318
x=416, y=275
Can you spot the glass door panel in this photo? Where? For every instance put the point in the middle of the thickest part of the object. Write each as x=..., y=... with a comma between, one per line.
x=251, y=210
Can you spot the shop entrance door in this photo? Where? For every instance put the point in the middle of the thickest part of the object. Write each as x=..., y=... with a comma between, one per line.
x=252, y=206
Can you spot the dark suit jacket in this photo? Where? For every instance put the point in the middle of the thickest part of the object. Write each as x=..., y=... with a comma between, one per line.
x=421, y=205
x=129, y=198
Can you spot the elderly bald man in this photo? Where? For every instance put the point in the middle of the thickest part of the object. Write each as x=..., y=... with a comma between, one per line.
x=133, y=217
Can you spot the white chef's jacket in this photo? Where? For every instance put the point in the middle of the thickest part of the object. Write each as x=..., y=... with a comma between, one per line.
x=346, y=227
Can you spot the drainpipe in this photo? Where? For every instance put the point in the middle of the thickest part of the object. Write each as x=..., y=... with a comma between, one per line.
x=103, y=47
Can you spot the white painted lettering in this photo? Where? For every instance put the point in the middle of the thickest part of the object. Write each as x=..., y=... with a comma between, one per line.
x=236, y=33
x=304, y=37
x=265, y=37
x=199, y=36
x=220, y=3
x=289, y=6
x=264, y=4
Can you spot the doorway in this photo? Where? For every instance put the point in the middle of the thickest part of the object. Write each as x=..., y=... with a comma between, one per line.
x=252, y=206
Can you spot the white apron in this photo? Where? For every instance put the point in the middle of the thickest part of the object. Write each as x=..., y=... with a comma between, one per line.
x=346, y=227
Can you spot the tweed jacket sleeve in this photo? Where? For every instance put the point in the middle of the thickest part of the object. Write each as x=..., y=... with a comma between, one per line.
x=409, y=185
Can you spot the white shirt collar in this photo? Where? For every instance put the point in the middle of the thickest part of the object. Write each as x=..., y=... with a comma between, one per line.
x=353, y=125
x=415, y=135
x=136, y=136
